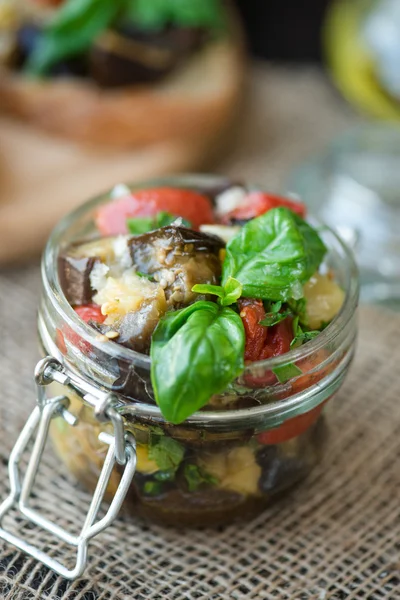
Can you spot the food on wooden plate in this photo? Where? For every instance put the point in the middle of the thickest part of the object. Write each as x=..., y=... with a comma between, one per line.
x=211, y=285
x=122, y=73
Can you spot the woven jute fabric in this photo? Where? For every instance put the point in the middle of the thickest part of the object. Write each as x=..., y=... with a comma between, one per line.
x=336, y=536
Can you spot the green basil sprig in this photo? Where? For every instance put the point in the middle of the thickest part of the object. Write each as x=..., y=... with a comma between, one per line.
x=273, y=255
x=195, y=353
x=227, y=295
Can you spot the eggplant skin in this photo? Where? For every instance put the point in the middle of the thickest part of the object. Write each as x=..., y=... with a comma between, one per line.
x=136, y=328
x=74, y=274
x=178, y=258
x=130, y=56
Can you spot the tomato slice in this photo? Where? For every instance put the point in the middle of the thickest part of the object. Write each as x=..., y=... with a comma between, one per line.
x=258, y=203
x=291, y=428
x=192, y=206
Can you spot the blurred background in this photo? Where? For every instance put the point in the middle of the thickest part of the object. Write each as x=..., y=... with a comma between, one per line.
x=302, y=98
x=284, y=31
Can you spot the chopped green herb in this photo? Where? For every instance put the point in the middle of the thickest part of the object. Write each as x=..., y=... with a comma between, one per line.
x=301, y=336
x=140, y=225
x=152, y=488
x=165, y=475
x=287, y=372
x=145, y=275
x=195, y=477
x=271, y=318
x=299, y=308
x=275, y=307
x=167, y=453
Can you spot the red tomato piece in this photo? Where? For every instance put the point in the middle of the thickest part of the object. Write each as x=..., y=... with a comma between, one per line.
x=192, y=206
x=263, y=342
x=252, y=312
x=279, y=339
x=290, y=428
x=258, y=203
x=89, y=312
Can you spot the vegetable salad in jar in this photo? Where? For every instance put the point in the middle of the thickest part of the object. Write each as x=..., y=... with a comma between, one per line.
x=223, y=321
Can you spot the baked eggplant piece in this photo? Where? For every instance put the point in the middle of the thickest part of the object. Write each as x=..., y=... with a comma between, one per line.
x=130, y=56
x=76, y=265
x=178, y=258
x=75, y=278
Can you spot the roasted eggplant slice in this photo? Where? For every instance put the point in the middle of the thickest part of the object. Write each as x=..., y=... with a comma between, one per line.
x=130, y=56
x=178, y=258
x=75, y=279
x=75, y=267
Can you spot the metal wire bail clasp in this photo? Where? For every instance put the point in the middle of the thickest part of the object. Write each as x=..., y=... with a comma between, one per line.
x=122, y=450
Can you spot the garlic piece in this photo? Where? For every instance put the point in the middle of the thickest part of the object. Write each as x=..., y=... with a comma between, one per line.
x=125, y=294
x=324, y=300
x=235, y=470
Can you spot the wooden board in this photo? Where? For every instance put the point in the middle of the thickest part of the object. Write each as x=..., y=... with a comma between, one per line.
x=43, y=178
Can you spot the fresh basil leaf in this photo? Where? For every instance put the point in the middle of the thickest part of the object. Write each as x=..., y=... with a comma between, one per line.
x=273, y=254
x=233, y=290
x=164, y=218
x=227, y=295
x=287, y=372
x=205, y=288
x=302, y=337
x=156, y=14
x=299, y=308
x=76, y=24
x=167, y=453
x=140, y=225
x=195, y=353
x=195, y=477
x=272, y=318
x=276, y=307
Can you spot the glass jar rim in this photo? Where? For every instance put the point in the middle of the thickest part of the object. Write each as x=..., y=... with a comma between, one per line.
x=53, y=288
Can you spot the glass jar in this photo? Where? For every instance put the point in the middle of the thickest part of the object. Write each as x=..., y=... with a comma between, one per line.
x=250, y=444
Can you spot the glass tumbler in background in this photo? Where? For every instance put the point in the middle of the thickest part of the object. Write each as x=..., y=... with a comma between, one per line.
x=354, y=186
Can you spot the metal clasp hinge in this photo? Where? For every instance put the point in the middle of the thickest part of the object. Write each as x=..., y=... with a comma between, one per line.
x=122, y=450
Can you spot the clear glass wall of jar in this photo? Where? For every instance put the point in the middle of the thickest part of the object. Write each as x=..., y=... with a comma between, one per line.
x=228, y=461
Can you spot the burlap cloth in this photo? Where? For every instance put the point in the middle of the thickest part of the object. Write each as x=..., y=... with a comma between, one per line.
x=337, y=536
